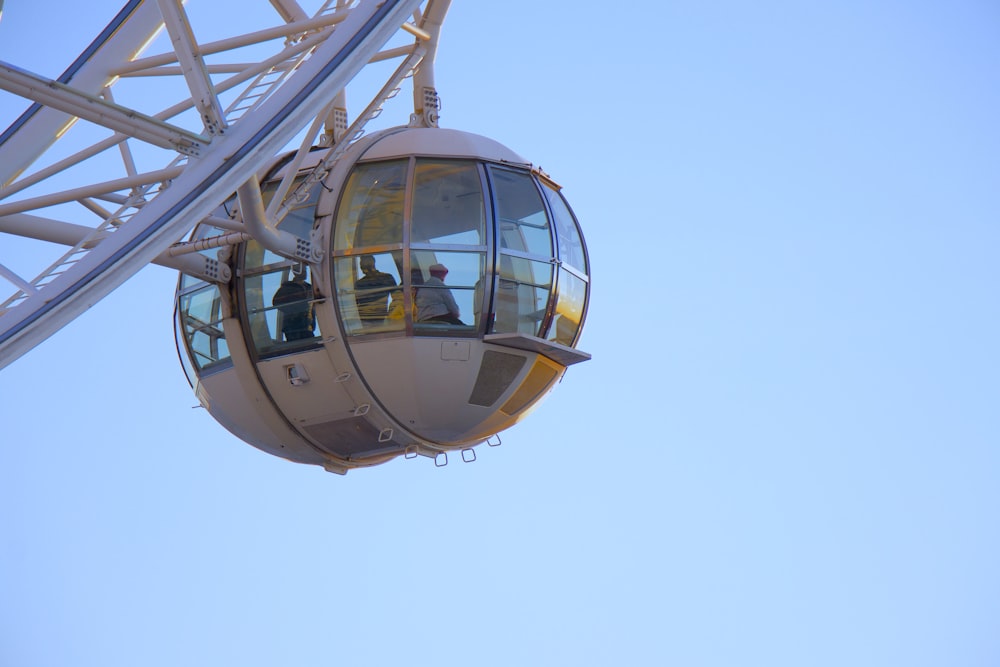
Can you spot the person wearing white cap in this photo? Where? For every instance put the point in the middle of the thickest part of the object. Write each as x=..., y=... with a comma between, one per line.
x=435, y=302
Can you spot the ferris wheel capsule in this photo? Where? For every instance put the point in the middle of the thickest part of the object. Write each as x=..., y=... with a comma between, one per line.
x=444, y=299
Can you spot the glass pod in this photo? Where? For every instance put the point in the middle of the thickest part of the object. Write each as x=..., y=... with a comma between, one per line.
x=451, y=294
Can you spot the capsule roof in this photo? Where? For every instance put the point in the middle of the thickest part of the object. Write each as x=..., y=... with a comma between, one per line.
x=442, y=143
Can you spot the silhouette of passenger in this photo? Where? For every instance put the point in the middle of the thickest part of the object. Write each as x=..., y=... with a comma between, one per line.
x=371, y=292
x=435, y=302
x=294, y=300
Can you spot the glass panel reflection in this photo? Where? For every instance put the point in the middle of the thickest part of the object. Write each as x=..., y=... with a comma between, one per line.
x=448, y=204
x=521, y=220
x=571, y=250
x=370, y=293
x=446, y=289
x=523, y=288
x=201, y=321
x=281, y=309
x=371, y=208
x=571, y=299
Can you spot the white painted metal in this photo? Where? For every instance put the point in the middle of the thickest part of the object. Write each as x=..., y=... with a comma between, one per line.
x=134, y=25
x=426, y=103
x=193, y=66
x=255, y=219
x=68, y=234
x=340, y=401
x=93, y=190
x=152, y=217
x=59, y=96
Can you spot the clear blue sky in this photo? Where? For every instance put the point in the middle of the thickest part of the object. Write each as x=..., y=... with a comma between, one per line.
x=786, y=449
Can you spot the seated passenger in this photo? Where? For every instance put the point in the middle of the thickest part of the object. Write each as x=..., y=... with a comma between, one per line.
x=371, y=292
x=294, y=300
x=435, y=302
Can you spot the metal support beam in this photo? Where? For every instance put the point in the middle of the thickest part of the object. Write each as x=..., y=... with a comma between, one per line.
x=193, y=66
x=90, y=107
x=231, y=160
x=256, y=222
x=44, y=229
x=289, y=10
x=35, y=130
x=68, y=234
x=95, y=190
x=426, y=103
x=153, y=63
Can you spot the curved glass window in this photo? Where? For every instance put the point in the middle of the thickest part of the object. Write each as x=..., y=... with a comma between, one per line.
x=277, y=292
x=371, y=209
x=446, y=289
x=571, y=301
x=434, y=283
x=571, y=292
x=522, y=295
x=200, y=320
x=182, y=351
x=525, y=255
x=199, y=314
x=370, y=292
x=522, y=225
x=447, y=204
x=456, y=262
x=570, y=241
x=281, y=308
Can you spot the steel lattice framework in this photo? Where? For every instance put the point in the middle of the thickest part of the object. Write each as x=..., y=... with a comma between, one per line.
x=231, y=118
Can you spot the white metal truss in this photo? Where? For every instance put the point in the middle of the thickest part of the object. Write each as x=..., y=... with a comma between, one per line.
x=177, y=164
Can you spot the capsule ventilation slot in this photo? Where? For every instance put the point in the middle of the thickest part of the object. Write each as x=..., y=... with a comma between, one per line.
x=497, y=371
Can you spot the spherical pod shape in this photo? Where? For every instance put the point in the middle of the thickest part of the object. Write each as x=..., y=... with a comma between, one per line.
x=446, y=302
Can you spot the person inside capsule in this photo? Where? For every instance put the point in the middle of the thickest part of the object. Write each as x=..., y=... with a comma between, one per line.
x=435, y=302
x=293, y=300
x=371, y=292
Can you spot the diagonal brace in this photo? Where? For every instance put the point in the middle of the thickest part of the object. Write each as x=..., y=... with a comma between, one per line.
x=94, y=109
x=193, y=66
